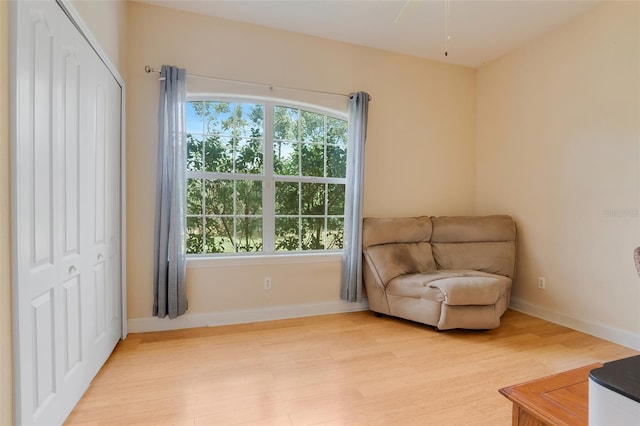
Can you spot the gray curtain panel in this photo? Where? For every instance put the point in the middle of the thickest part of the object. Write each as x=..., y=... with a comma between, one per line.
x=169, y=286
x=351, y=287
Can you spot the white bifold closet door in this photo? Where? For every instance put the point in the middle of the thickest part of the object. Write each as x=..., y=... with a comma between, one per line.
x=66, y=212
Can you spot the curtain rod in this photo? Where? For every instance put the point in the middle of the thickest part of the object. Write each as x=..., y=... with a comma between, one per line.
x=149, y=69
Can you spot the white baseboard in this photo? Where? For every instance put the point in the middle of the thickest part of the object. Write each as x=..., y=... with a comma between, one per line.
x=141, y=325
x=615, y=335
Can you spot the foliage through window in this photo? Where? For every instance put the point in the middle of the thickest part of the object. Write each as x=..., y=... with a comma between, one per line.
x=264, y=178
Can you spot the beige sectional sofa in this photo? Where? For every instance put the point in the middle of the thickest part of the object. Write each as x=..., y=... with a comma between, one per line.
x=449, y=272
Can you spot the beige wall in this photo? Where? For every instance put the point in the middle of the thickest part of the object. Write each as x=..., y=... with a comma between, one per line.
x=106, y=20
x=6, y=388
x=419, y=156
x=558, y=148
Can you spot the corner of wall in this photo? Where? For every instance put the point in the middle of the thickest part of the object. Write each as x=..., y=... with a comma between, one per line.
x=557, y=148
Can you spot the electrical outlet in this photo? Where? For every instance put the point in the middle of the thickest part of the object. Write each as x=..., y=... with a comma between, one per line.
x=267, y=283
x=542, y=283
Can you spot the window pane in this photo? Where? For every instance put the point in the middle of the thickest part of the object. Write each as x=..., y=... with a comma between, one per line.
x=249, y=231
x=245, y=121
x=336, y=161
x=337, y=131
x=234, y=125
x=194, y=152
x=286, y=238
x=336, y=199
x=217, y=117
x=204, y=116
x=194, y=121
x=312, y=160
x=313, y=199
x=285, y=123
x=194, y=196
x=249, y=155
x=287, y=198
x=255, y=118
x=312, y=234
x=312, y=127
x=248, y=197
x=218, y=154
x=218, y=235
x=335, y=233
x=218, y=197
x=285, y=159
x=194, y=235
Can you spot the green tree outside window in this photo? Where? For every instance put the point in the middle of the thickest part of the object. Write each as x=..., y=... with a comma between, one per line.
x=227, y=178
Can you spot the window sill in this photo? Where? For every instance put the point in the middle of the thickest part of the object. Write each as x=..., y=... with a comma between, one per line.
x=274, y=259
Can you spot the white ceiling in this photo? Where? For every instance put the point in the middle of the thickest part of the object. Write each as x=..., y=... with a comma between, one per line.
x=479, y=30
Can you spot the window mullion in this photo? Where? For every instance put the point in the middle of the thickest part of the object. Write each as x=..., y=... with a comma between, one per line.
x=326, y=185
x=299, y=215
x=268, y=185
x=233, y=138
x=203, y=222
x=203, y=192
x=326, y=214
x=234, y=242
x=299, y=143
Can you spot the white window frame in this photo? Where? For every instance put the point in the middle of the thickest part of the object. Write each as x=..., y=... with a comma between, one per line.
x=268, y=179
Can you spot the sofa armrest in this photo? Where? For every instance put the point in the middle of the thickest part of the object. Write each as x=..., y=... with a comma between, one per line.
x=469, y=290
x=388, y=261
x=369, y=263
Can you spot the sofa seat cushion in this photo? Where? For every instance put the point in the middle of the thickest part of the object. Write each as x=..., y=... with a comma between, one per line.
x=477, y=288
x=416, y=286
x=458, y=287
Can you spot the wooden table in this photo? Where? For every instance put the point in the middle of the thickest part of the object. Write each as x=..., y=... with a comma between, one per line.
x=560, y=399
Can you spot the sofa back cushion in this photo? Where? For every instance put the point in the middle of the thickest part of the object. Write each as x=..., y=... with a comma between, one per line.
x=397, y=230
x=468, y=229
x=389, y=261
x=490, y=257
x=482, y=243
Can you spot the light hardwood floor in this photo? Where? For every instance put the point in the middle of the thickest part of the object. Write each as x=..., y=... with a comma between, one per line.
x=345, y=369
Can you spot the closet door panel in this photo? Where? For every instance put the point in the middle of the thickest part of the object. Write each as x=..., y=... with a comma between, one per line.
x=63, y=275
x=73, y=324
x=34, y=252
x=99, y=301
x=102, y=182
x=72, y=271
x=100, y=139
x=112, y=210
x=43, y=87
x=42, y=311
x=71, y=156
x=86, y=202
x=98, y=177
